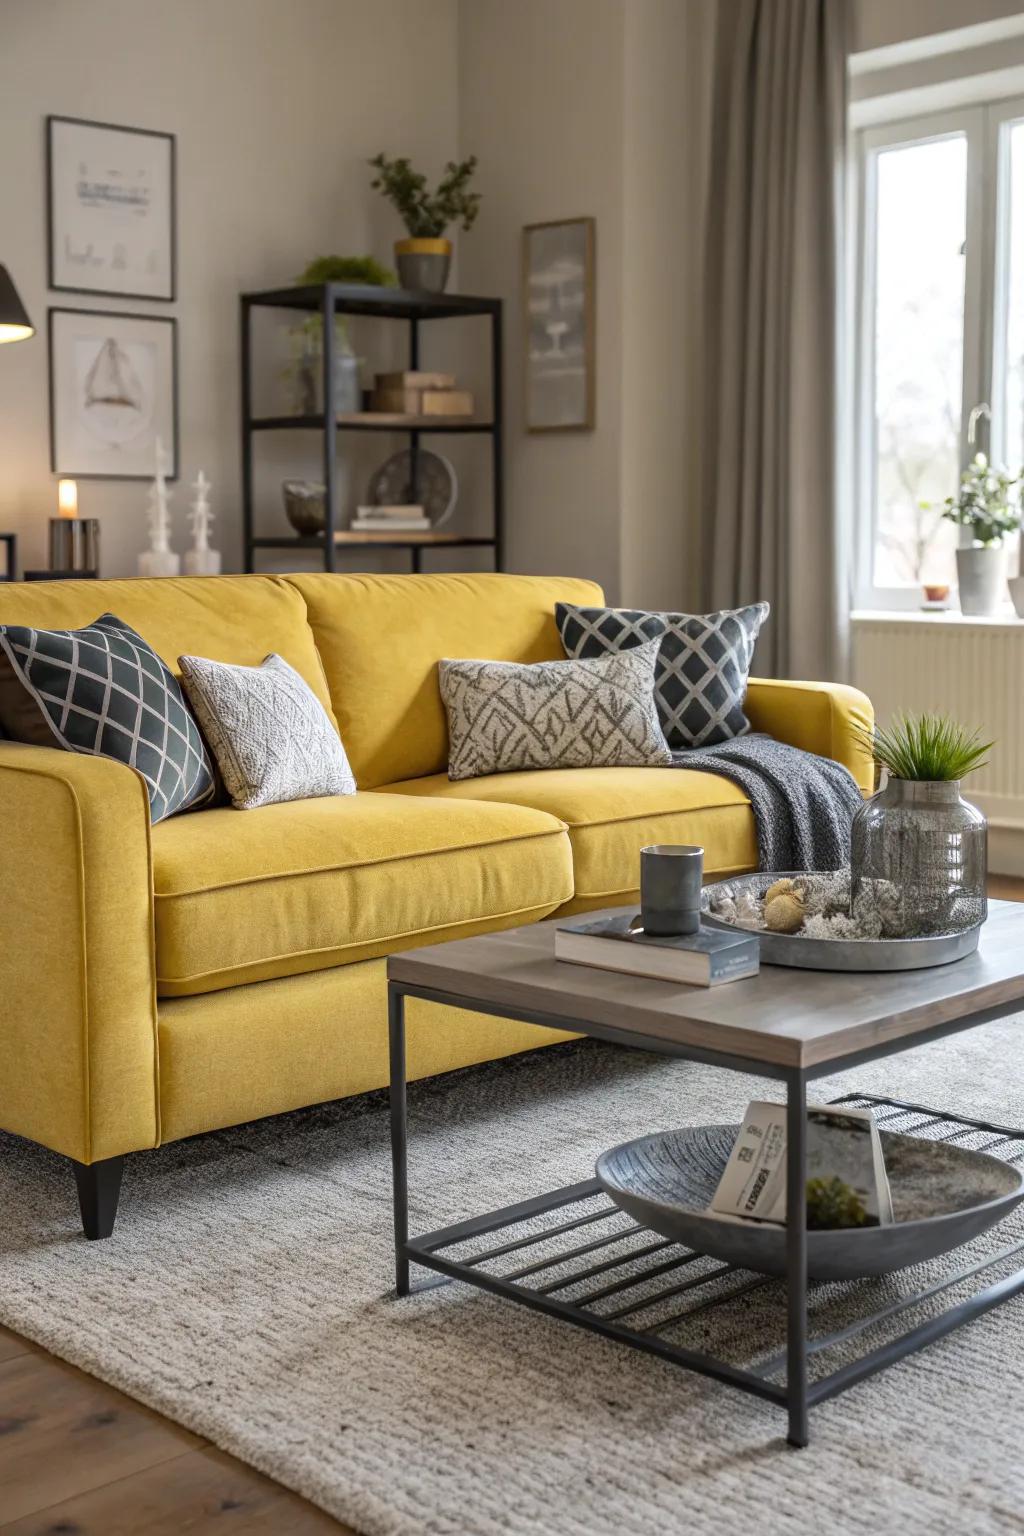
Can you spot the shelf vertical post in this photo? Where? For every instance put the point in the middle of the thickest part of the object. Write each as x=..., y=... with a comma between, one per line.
x=414, y=437
x=497, y=443
x=330, y=431
x=245, y=318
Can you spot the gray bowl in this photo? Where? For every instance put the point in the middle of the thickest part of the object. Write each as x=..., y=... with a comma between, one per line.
x=943, y=1195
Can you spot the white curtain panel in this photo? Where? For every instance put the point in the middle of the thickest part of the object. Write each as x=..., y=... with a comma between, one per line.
x=772, y=328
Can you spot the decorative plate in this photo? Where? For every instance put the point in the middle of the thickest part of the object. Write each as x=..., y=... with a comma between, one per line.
x=391, y=485
x=942, y=1194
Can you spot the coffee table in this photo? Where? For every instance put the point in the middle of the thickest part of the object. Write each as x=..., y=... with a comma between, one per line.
x=790, y=1025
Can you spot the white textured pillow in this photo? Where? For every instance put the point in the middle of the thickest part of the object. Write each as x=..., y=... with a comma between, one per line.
x=270, y=734
x=504, y=715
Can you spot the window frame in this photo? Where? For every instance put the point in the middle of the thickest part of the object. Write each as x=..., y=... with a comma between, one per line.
x=868, y=144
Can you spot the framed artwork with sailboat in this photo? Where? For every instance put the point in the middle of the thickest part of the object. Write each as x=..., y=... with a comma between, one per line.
x=113, y=393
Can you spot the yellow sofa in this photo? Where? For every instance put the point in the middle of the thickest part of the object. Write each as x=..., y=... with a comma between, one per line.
x=158, y=982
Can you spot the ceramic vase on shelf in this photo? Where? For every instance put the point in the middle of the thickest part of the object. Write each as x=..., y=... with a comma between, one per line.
x=919, y=857
x=981, y=576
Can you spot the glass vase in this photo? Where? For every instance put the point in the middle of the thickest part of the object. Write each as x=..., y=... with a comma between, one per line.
x=919, y=859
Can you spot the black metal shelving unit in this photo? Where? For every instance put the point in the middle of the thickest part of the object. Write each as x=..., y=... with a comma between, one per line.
x=330, y=299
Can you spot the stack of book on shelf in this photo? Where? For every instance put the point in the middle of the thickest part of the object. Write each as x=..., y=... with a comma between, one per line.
x=410, y=519
x=617, y=943
x=847, y=1185
x=415, y=393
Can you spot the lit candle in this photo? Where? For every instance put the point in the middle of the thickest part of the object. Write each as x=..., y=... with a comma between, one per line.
x=67, y=498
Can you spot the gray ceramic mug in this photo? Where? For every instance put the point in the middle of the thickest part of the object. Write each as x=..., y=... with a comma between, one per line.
x=670, y=882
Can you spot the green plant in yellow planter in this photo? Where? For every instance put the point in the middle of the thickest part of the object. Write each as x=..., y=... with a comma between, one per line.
x=919, y=851
x=424, y=258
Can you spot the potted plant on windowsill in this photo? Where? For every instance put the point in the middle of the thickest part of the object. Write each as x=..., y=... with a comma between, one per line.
x=424, y=258
x=984, y=505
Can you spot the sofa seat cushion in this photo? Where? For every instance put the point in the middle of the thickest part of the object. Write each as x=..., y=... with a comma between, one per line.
x=248, y=896
x=612, y=813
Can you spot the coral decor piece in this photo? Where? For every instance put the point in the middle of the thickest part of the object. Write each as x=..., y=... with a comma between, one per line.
x=159, y=559
x=201, y=559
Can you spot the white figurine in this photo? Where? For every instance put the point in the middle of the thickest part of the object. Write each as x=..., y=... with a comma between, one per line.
x=159, y=559
x=201, y=560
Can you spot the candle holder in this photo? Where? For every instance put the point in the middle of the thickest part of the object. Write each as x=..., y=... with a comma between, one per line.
x=75, y=545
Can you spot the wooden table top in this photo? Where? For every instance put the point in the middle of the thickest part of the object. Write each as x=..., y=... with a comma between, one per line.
x=780, y=1018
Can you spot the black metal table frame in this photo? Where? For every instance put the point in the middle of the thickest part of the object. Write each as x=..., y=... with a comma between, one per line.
x=798, y=1394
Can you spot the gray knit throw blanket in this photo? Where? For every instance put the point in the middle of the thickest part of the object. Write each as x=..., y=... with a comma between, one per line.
x=803, y=805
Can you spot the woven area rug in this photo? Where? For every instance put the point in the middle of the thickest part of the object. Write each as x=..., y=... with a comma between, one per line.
x=245, y=1294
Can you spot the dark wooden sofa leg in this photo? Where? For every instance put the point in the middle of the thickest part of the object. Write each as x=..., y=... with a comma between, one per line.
x=99, y=1185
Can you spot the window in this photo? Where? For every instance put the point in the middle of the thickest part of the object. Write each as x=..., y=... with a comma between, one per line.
x=940, y=332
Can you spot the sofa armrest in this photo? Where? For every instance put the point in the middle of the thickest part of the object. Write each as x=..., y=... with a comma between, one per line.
x=819, y=717
x=78, y=1039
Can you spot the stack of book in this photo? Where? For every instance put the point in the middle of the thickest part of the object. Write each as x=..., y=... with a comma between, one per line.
x=410, y=519
x=706, y=958
x=416, y=393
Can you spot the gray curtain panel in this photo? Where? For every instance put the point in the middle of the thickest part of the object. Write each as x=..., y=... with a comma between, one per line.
x=772, y=327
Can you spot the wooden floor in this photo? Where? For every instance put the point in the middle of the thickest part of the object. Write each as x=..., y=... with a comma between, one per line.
x=78, y=1458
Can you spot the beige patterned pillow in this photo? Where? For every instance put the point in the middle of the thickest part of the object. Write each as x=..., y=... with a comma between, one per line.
x=267, y=729
x=597, y=713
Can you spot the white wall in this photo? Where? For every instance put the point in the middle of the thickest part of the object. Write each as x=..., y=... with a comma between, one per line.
x=541, y=86
x=276, y=105
x=599, y=107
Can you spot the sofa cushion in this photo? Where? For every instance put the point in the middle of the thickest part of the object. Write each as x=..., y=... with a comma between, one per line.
x=381, y=638
x=552, y=714
x=703, y=664
x=101, y=690
x=228, y=618
x=314, y=883
x=271, y=736
x=612, y=813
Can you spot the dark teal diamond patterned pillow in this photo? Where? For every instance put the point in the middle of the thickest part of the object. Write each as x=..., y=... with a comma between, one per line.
x=102, y=690
x=701, y=675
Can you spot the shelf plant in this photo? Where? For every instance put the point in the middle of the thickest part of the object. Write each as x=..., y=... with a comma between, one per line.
x=424, y=257
x=302, y=374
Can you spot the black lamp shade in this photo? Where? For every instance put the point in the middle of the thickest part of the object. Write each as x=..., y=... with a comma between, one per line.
x=15, y=324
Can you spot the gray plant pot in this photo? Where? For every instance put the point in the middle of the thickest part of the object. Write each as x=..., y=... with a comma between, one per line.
x=981, y=576
x=1016, y=586
x=423, y=273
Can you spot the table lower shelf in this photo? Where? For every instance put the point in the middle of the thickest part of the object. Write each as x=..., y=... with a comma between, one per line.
x=573, y=1254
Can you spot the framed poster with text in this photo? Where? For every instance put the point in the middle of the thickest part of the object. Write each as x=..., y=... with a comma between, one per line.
x=111, y=207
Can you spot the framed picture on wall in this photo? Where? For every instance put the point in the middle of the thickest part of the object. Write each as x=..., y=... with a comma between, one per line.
x=113, y=392
x=111, y=209
x=558, y=325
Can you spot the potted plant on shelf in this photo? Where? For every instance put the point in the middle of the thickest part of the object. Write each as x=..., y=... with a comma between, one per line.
x=919, y=852
x=304, y=372
x=983, y=504
x=424, y=258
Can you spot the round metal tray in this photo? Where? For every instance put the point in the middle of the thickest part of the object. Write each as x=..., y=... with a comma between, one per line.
x=943, y=1195
x=837, y=954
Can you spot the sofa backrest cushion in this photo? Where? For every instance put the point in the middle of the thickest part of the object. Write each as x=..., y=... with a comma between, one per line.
x=381, y=638
x=238, y=619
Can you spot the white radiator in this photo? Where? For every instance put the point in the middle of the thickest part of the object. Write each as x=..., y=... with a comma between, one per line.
x=971, y=668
